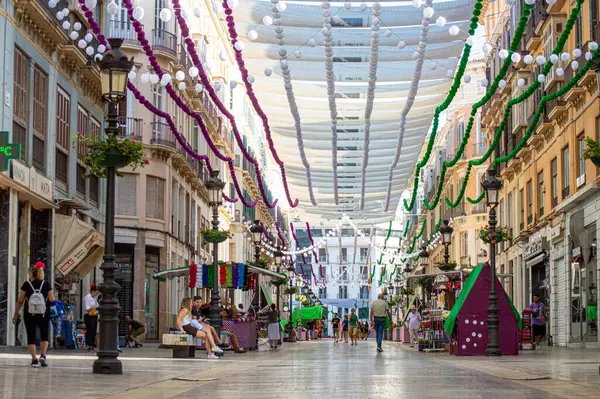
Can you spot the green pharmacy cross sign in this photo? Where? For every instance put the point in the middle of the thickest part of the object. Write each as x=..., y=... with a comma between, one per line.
x=8, y=151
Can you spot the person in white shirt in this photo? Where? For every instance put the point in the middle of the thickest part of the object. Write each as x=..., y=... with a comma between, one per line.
x=414, y=322
x=90, y=306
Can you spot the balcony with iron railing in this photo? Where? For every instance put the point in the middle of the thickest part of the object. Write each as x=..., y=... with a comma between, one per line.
x=131, y=127
x=164, y=42
x=184, y=59
x=123, y=30
x=162, y=135
x=479, y=208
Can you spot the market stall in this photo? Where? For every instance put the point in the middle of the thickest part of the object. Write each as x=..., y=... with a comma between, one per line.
x=467, y=322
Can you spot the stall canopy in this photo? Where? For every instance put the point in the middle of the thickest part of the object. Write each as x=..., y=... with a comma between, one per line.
x=477, y=292
x=78, y=246
x=310, y=313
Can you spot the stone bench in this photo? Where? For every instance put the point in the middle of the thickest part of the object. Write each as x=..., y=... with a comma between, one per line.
x=184, y=345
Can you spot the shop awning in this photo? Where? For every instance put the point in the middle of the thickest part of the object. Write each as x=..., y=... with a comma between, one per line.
x=79, y=247
x=260, y=270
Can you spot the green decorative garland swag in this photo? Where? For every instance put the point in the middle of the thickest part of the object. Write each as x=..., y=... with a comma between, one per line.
x=526, y=94
x=389, y=233
x=451, y=94
x=488, y=95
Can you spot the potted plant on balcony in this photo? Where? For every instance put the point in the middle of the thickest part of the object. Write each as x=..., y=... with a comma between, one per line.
x=592, y=151
x=446, y=267
x=215, y=236
x=104, y=152
x=501, y=234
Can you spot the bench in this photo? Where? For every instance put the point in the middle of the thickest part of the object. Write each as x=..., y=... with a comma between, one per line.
x=184, y=345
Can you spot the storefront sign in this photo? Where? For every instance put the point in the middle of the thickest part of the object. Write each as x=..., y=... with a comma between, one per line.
x=555, y=231
x=533, y=248
x=8, y=151
x=31, y=179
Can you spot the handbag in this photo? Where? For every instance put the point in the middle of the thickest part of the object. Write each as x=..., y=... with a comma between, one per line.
x=92, y=312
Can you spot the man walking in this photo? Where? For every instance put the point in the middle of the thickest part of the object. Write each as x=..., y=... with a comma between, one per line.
x=539, y=320
x=414, y=322
x=353, y=327
x=379, y=311
x=336, y=324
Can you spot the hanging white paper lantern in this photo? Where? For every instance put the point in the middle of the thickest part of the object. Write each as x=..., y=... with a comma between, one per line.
x=298, y=54
x=588, y=56
x=209, y=65
x=193, y=72
x=66, y=25
x=233, y=84
x=484, y=82
x=74, y=35
x=450, y=73
x=89, y=51
x=560, y=72
x=428, y=12
x=217, y=86
x=154, y=79
x=89, y=37
x=52, y=3
x=98, y=57
x=553, y=59
x=528, y=59
x=281, y=6
x=81, y=44
x=132, y=75
x=348, y=5
x=593, y=46
x=180, y=75
x=486, y=48
x=388, y=33
x=252, y=35
x=576, y=53
x=268, y=20
x=138, y=13
x=363, y=7
x=541, y=78
x=60, y=16
x=515, y=57
x=503, y=53
x=565, y=57
x=268, y=71
x=417, y=3
x=250, y=79
x=112, y=9
x=401, y=44
x=91, y=4
x=575, y=65
x=77, y=26
x=540, y=60
x=433, y=66
x=521, y=82
x=239, y=45
x=165, y=15
x=65, y=12
x=467, y=78
x=312, y=43
x=166, y=79
x=145, y=78
x=502, y=84
x=101, y=48
x=198, y=88
x=454, y=30
x=181, y=86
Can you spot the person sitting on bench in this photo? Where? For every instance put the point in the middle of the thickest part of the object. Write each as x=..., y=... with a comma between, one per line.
x=198, y=314
x=184, y=320
x=134, y=330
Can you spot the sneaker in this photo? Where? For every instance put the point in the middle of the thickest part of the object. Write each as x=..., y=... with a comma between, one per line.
x=212, y=356
x=34, y=363
x=379, y=349
x=217, y=349
x=119, y=350
x=43, y=361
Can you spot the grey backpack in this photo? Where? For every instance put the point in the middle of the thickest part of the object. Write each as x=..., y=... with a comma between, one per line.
x=36, y=302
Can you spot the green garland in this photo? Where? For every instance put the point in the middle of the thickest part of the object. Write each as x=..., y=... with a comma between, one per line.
x=526, y=94
x=451, y=94
x=488, y=95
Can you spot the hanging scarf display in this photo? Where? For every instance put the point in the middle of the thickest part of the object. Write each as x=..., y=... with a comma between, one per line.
x=252, y=282
x=193, y=276
x=231, y=275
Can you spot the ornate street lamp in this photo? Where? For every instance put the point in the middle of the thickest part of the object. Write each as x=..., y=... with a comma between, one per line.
x=291, y=273
x=278, y=256
x=215, y=186
x=114, y=67
x=424, y=257
x=257, y=233
x=446, y=232
x=492, y=187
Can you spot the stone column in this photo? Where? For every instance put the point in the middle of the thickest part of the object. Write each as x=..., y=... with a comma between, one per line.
x=139, y=278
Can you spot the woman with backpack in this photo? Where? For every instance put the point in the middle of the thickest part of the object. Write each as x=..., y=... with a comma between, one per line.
x=90, y=304
x=39, y=296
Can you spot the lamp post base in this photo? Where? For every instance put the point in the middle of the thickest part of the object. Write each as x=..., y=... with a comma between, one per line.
x=107, y=364
x=493, y=352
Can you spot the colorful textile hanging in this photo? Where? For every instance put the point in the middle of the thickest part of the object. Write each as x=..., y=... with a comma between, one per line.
x=230, y=275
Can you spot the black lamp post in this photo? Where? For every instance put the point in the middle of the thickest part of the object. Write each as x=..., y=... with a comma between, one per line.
x=278, y=255
x=492, y=186
x=215, y=186
x=114, y=68
x=424, y=261
x=397, y=283
x=291, y=272
x=446, y=232
x=257, y=233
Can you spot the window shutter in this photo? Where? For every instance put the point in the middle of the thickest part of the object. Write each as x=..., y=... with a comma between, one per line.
x=127, y=195
x=160, y=199
x=151, y=197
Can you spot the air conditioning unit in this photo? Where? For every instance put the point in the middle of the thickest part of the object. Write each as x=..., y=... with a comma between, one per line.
x=581, y=180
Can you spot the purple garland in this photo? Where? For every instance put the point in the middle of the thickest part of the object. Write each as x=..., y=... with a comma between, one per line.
x=269, y=236
x=312, y=242
x=250, y=91
x=173, y=94
x=281, y=237
x=215, y=98
x=102, y=39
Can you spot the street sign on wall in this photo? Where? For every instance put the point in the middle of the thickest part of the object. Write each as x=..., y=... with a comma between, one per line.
x=8, y=151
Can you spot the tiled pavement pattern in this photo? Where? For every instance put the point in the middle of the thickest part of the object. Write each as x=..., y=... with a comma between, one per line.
x=317, y=369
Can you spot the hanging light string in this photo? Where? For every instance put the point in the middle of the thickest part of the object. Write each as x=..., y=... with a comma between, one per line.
x=548, y=64
x=414, y=88
x=488, y=95
x=442, y=107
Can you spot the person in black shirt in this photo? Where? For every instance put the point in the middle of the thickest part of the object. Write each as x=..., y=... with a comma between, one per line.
x=135, y=329
x=336, y=324
x=41, y=321
x=201, y=314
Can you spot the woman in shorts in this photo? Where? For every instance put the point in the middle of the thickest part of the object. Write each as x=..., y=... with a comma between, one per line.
x=184, y=323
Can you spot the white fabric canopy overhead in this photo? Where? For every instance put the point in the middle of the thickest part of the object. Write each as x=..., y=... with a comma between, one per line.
x=351, y=44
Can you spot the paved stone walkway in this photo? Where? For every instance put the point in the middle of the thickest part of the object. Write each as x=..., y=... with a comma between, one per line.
x=316, y=369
